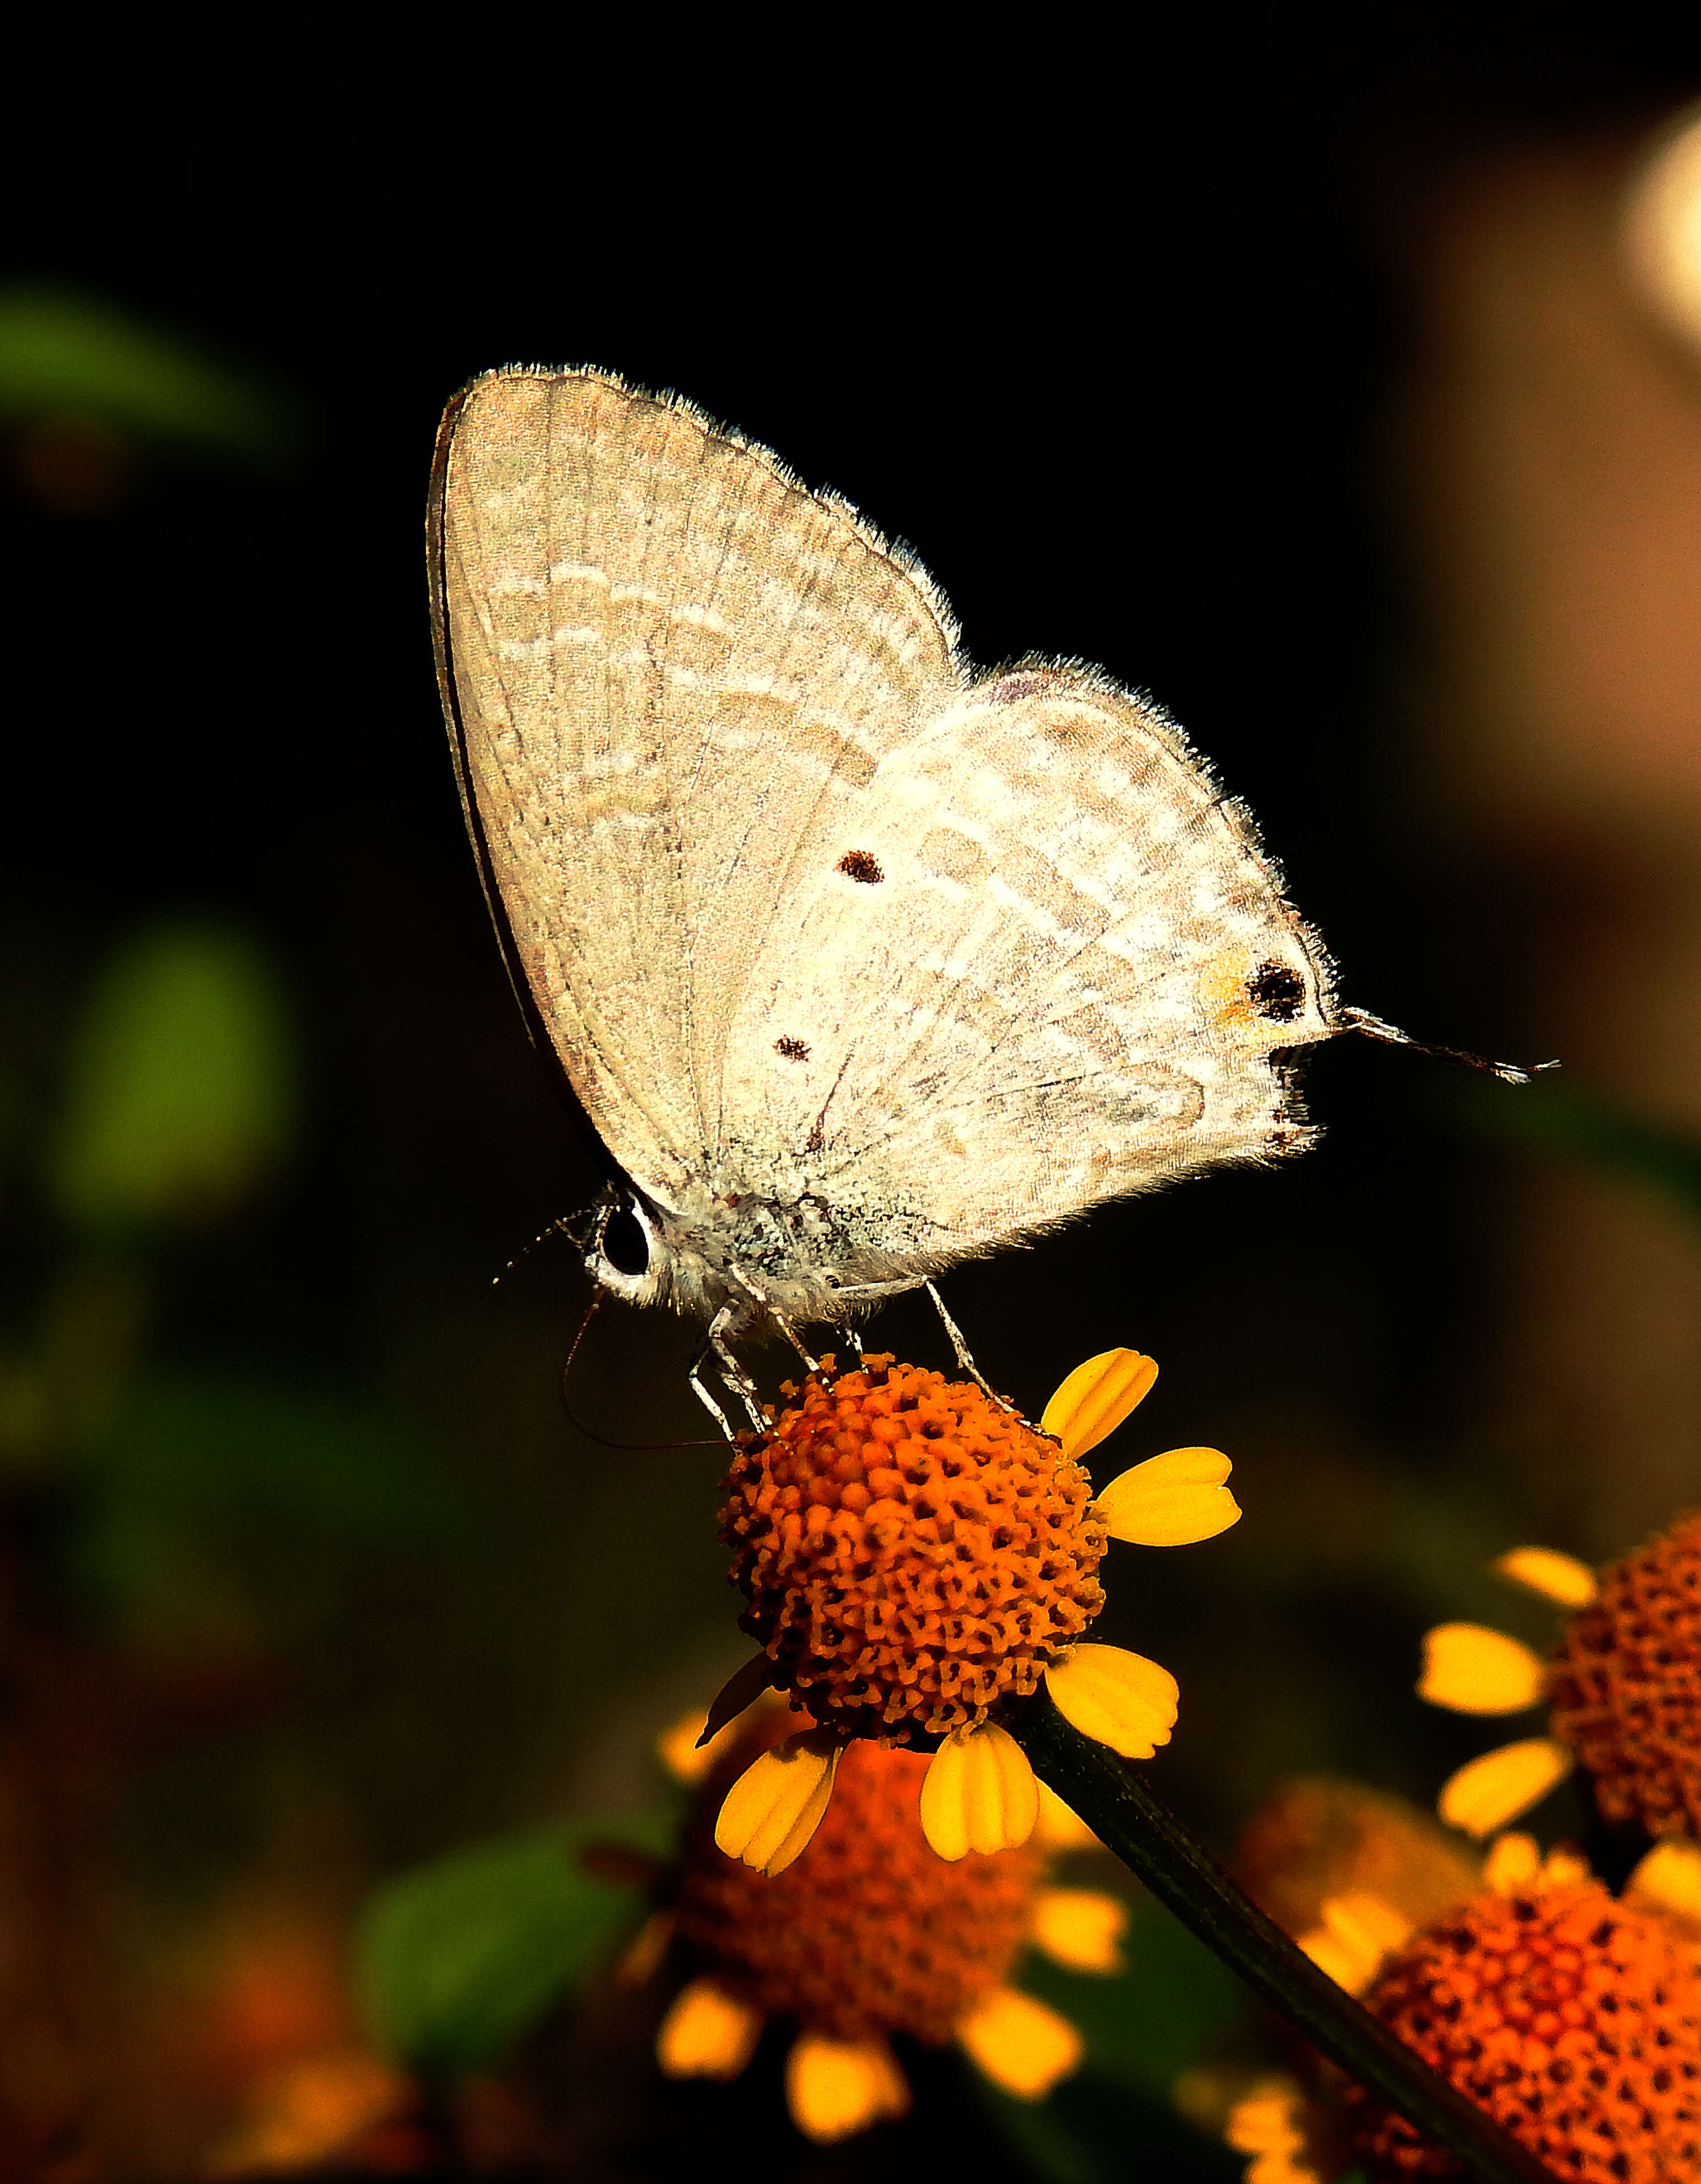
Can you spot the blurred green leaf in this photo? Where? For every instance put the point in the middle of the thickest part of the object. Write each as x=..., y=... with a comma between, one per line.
x=205, y=1499
x=60, y=352
x=181, y=1091
x=190, y=1443
x=1554, y=1117
x=455, y=1961
x=1146, y=2025
x=1050, y=2149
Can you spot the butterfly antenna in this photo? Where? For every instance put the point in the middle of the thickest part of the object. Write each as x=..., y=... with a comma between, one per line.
x=1369, y=1027
x=561, y=1226
x=590, y=1433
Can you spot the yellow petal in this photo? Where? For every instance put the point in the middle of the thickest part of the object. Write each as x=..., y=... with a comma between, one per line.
x=835, y=2088
x=1059, y=1828
x=1358, y=1931
x=1267, y=2119
x=1514, y=1863
x=775, y=1805
x=1547, y=1571
x=1368, y=1922
x=706, y=2034
x=979, y=1793
x=1564, y=1867
x=1475, y=1670
x=1282, y=2169
x=678, y=1750
x=1080, y=1927
x=1096, y=1397
x=1120, y=1698
x=1344, y=1966
x=1269, y=2122
x=1489, y=1793
x=1668, y=1879
x=1021, y=2044
x=1170, y=1501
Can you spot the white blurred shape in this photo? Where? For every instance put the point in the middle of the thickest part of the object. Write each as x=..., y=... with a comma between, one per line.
x=1663, y=228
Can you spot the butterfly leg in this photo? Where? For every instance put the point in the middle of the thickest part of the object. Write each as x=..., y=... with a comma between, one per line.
x=712, y=1342
x=963, y=1358
x=758, y=1296
x=694, y=1378
x=741, y=1384
x=731, y=1372
x=792, y=1336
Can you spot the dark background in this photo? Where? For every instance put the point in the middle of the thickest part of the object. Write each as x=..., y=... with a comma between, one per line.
x=1109, y=329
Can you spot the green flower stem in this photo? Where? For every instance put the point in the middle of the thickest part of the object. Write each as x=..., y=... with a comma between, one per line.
x=1112, y=1797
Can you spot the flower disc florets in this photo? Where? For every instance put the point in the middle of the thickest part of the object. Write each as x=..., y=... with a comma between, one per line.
x=911, y=1551
x=1574, y=2020
x=1626, y=1685
x=869, y=1933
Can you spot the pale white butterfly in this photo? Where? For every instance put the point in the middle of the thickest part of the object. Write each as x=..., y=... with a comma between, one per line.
x=859, y=962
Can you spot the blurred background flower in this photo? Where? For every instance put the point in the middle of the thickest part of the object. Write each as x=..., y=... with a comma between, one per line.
x=869, y=1933
x=1334, y=381
x=1573, y=2018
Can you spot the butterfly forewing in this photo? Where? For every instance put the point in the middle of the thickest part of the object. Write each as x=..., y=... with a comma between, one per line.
x=671, y=665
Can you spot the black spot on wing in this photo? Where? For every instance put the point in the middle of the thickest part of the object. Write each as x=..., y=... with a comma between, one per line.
x=1276, y=992
x=861, y=865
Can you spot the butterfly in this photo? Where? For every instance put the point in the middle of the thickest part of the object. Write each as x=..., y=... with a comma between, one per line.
x=858, y=962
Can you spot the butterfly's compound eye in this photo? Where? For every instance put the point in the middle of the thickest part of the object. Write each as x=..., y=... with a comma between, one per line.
x=629, y=1253
x=625, y=1242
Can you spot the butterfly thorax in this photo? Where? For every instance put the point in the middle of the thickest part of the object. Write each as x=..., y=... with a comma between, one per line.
x=798, y=1253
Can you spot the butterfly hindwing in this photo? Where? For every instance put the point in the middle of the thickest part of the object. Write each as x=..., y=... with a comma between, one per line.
x=1047, y=966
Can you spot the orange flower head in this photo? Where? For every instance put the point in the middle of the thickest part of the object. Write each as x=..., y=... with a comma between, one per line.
x=1573, y=2019
x=1626, y=1685
x=911, y=1551
x=869, y=1933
